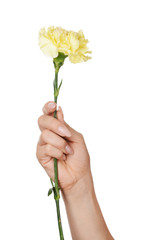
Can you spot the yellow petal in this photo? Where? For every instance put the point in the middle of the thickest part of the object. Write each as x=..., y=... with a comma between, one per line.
x=47, y=47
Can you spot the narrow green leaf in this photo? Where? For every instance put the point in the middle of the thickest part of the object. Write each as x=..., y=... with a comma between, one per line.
x=60, y=84
x=56, y=92
x=50, y=191
x=54, y=84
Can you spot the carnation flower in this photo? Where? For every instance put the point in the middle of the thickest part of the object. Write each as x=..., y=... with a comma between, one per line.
x=58, y=40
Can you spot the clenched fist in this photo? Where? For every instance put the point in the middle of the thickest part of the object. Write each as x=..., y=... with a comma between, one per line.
x=59, y=140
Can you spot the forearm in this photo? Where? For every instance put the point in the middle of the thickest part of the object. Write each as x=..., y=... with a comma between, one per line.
x=83, y=211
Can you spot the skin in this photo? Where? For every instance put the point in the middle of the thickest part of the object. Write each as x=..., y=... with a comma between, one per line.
x=74, y=174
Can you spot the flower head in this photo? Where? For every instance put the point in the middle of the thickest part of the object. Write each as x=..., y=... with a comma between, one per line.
x=58, y=40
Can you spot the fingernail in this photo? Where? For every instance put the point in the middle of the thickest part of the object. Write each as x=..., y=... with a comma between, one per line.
x=51, y=105
x=68, y=149
x=64, y=131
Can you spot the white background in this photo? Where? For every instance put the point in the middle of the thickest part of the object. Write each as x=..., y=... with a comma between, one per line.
x=103, y=98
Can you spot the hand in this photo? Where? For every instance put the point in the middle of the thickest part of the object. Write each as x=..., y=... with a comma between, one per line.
x=59, y=140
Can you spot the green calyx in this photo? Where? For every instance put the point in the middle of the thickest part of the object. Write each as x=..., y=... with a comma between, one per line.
x=59, y=61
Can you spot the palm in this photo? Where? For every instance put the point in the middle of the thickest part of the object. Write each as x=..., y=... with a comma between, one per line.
x=74, y=167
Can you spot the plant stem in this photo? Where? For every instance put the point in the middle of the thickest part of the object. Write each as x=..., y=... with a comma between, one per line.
x=55, y=115
x=56, y=194
x=59, y=220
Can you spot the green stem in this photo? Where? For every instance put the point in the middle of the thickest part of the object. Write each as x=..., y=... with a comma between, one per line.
x=57, y=196
x=59, y=220
x=55, y=115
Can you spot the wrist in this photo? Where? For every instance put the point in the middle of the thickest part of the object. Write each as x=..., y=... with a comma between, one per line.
x=82, y=187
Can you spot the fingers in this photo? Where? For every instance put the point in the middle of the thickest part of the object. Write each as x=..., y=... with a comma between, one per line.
x=49, y=137
x=52, y=124
x=75, y=136
x=47, y=152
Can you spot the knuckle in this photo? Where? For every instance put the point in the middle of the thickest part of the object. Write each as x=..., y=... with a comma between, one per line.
x=60, y=154
x=62, y=144
x=37, y=146
x=80, y=135
x=37, y=152
x=40, y=120
x=50, y=119
x=44, y=134
x=45, y=162
x=47, y=149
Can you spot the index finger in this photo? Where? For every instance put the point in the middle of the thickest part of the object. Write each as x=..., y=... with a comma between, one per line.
x=54, y=125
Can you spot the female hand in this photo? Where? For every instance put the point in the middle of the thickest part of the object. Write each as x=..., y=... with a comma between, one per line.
x=59, y=140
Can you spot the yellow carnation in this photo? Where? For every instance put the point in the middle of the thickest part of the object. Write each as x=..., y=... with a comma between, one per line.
x=72, y=44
